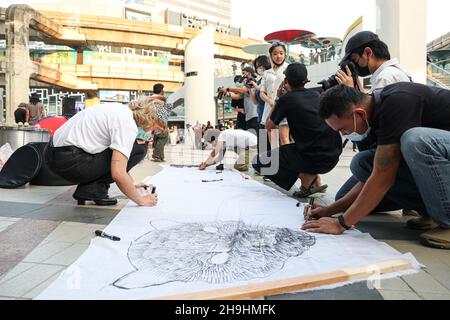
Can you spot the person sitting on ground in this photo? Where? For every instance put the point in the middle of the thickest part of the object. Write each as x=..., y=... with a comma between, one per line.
x=409, y=167
x=98, y=147
x=316, y=149
x=22, y=115
x=239, y=140
x=35, y=108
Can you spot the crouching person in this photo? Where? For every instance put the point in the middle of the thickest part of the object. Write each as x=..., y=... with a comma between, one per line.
x=316, y=148
x=410, y=166
x=98, y=147
x=238, y=140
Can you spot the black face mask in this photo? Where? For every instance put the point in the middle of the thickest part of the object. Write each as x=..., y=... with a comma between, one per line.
x=363, y=71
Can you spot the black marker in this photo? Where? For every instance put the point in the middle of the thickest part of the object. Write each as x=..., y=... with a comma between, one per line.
x=153, y=189
x=100, y=233
x=215, y=180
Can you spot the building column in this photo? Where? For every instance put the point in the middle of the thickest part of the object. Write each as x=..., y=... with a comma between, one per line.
x=402, y=25
x=199, y=79
x=18, y=63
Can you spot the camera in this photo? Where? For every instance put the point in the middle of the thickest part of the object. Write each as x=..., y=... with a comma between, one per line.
x=331, y=81
x=247, y=81
x=220, y=94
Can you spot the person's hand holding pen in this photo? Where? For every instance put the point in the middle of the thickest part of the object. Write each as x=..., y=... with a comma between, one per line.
x=149, y=196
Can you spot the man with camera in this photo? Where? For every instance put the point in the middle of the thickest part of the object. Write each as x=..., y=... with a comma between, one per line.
x=246, y=92
x=371, y=57
x=410, y=166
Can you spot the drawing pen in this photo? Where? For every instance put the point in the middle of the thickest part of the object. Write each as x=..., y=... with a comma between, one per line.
x=214, y=180
x=153, y=189
x=100, y=233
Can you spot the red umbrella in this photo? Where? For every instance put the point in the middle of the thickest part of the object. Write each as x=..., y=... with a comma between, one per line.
x=289, y=36
x=52, y=123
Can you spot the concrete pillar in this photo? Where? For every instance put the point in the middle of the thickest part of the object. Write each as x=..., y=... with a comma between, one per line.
x=402, y=25
x=199, y=79
x=18, y=63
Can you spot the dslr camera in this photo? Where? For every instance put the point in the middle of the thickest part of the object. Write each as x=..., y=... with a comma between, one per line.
x=220, y=94
x=331, y=81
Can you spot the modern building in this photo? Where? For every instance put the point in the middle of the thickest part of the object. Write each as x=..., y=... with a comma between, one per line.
x=118, y=48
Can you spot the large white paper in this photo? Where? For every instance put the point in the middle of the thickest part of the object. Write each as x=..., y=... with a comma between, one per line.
x=209, y=235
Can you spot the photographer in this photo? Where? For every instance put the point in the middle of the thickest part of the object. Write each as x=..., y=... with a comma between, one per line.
x=245, y=92
x=372, y=57
x=237, y=101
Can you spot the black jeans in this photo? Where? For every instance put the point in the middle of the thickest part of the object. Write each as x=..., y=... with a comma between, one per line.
x=92, y=172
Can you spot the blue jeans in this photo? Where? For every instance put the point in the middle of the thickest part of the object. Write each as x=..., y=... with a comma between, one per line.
x=424, y=174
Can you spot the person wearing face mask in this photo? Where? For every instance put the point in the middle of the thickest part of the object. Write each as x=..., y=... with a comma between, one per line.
x=372, y=57
x=410, y=165
x=99, y=145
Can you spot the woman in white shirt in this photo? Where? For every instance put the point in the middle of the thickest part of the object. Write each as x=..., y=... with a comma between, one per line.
x=98, y=147
x=271, y=81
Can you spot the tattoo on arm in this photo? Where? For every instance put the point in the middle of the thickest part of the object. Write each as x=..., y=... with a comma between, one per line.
x=387, y=156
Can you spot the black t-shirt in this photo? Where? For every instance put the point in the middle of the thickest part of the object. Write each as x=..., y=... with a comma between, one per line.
x=313, y=137
x=405, y=105
x=20, y=115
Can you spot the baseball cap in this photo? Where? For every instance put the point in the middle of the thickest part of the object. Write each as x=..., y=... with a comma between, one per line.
x=296, y=73
x=357, y=41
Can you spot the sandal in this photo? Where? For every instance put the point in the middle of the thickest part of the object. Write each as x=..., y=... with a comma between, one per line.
x=438, y=238
x=306, y=192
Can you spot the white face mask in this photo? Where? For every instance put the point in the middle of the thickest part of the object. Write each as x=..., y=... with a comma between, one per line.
x=260, y=71
x=355, y=136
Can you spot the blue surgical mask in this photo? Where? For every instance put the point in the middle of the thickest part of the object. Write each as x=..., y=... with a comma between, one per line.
x=355, y=136
x=143, y=135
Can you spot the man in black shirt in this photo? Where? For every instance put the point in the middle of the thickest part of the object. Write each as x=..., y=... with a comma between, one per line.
x=316, y=149
x=411, y=164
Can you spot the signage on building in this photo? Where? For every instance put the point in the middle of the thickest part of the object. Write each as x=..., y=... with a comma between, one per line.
x=192, y=21
x=117, y=59
x=132, y=14
x=64, y=57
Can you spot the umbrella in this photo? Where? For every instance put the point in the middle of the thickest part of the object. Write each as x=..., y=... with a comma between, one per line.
x=330, y=41
x=262, y=48
x=289, y=37
x=51, y=123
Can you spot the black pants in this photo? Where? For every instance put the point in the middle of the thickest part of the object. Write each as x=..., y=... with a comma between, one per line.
x=92, y=172
x=282, y=166
x=240, y=121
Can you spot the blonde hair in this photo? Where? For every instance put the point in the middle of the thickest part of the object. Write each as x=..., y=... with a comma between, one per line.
x=144, y=111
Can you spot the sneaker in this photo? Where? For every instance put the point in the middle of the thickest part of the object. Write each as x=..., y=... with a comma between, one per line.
x=421, y=223
x=438, y=238
x=241, y=167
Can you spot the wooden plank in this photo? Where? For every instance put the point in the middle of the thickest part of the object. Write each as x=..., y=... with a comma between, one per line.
x=296, y=283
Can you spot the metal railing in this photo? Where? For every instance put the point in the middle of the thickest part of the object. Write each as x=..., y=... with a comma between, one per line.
x=438, y=74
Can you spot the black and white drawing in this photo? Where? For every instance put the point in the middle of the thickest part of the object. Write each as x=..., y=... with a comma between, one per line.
x=214, y=252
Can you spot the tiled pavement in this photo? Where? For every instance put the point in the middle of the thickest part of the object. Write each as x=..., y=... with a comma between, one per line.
x=43, y=231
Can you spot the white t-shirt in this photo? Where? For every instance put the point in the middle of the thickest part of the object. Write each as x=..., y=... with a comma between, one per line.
x=388, y=73
x=270, y=83
x=238, y=138
x=103, y=126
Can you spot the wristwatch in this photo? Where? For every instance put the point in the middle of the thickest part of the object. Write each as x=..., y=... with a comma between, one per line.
x=342, y=223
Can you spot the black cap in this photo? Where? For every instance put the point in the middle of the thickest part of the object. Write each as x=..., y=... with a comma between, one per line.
x=296, y=74
x=357, y=41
